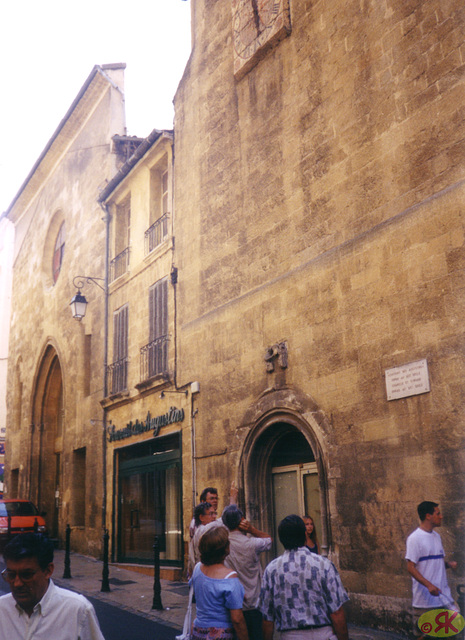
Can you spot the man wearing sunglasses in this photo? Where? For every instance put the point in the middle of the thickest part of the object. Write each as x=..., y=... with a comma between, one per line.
x=36, y=608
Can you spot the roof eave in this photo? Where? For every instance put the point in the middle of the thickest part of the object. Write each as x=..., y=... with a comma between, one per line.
x=131, y=162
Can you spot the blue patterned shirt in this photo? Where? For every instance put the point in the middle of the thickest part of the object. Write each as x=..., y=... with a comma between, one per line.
x=300, y=589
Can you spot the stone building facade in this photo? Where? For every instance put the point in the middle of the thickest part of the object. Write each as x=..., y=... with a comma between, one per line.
x=319, y=197
x=285, y=293
x=54, y=438
x=148, y=417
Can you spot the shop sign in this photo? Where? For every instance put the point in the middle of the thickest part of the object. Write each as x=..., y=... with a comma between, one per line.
x=149, y=424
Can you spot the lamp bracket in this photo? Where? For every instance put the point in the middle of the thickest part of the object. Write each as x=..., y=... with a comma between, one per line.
x=80, y=281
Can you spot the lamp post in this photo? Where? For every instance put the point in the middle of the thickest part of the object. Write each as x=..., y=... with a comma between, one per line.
x=79, y=303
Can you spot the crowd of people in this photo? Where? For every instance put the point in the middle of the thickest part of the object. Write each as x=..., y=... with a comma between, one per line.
x=300, y=592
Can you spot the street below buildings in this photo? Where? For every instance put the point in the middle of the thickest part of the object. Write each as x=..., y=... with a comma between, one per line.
x=120, y=624
x=117, y=622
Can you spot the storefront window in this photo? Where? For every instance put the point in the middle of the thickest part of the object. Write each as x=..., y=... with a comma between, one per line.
x=150, y=503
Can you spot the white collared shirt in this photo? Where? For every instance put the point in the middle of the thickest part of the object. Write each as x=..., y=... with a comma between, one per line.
x=60, y=615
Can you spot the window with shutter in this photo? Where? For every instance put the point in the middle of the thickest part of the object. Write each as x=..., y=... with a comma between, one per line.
x=159, y=207
x=119, y=368
x=158, y=328
x=119, y=265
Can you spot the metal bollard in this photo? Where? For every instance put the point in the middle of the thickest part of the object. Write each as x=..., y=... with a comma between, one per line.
x=36, y=526
x=105, y=572
x=67, y=571
x=156, y=576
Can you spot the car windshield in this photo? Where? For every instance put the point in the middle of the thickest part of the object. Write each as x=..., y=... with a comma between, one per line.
x=18, y=509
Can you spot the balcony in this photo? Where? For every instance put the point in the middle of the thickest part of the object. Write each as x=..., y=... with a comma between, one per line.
x=119, y=265
x=155, y=234
x=117, y=373
x=154, y=358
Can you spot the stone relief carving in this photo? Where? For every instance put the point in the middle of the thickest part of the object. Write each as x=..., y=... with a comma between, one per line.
x=277, y=353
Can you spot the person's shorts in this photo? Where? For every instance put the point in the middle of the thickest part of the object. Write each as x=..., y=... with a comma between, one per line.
x=317, y=633
x=212, y=633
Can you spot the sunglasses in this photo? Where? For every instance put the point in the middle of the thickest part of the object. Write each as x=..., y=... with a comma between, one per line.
x=25, y=576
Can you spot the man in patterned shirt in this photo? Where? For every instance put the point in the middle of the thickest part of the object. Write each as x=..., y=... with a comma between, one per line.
x=301, y=591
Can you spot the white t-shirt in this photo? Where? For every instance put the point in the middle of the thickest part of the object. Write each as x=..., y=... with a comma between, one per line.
x=244, y=552
x=425, y=550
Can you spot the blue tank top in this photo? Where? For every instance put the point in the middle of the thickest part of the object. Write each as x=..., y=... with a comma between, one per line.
x=214, y=597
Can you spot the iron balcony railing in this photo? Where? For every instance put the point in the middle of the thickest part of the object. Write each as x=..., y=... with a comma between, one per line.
x=155, y=234
x=119, y=265
x=118, y=376
x=154, y=358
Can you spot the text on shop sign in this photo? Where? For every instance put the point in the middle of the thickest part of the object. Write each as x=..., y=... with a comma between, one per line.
x=149, y=424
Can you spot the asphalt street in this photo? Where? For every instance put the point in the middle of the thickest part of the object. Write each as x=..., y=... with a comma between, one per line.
x=117, y=623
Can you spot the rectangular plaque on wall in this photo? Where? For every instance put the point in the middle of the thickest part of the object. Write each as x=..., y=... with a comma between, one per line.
x=407, y=380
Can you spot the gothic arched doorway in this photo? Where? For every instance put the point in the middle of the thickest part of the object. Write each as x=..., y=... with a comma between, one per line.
x=283, y=474
x=47, y=439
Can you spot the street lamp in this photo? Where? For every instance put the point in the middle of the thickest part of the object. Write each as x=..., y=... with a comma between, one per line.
x=79, y=303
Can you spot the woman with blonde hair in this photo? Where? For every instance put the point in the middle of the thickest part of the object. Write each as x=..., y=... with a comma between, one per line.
x=311, y=540
x=218, y=592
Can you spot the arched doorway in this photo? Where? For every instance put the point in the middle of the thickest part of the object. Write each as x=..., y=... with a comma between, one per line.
x=47, y=439
x=284, y=473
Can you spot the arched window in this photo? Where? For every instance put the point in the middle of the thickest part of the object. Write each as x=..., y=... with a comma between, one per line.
x=58, y=252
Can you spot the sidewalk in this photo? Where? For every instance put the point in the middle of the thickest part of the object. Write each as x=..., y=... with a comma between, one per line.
x=133, y=591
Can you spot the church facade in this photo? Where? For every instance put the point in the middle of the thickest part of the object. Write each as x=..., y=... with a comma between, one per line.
x=320, y=251
x=54, y=435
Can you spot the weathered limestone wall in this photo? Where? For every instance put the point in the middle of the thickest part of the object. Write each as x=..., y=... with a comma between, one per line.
x=41, y=320
x=319, y=201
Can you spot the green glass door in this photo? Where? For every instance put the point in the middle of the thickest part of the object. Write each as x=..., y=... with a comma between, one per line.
x=149, y=506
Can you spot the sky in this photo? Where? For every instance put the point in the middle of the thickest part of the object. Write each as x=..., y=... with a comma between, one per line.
x=49, y=47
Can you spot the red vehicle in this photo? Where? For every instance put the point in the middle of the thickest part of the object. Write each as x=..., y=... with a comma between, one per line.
x=19, y=516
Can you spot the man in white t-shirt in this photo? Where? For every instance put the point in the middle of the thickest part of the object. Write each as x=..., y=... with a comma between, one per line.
x=244, y=558
x=427, y=565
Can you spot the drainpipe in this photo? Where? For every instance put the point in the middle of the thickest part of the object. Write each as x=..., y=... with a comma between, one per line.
x=174, y=274
x=107, y=219
x=194, y=454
